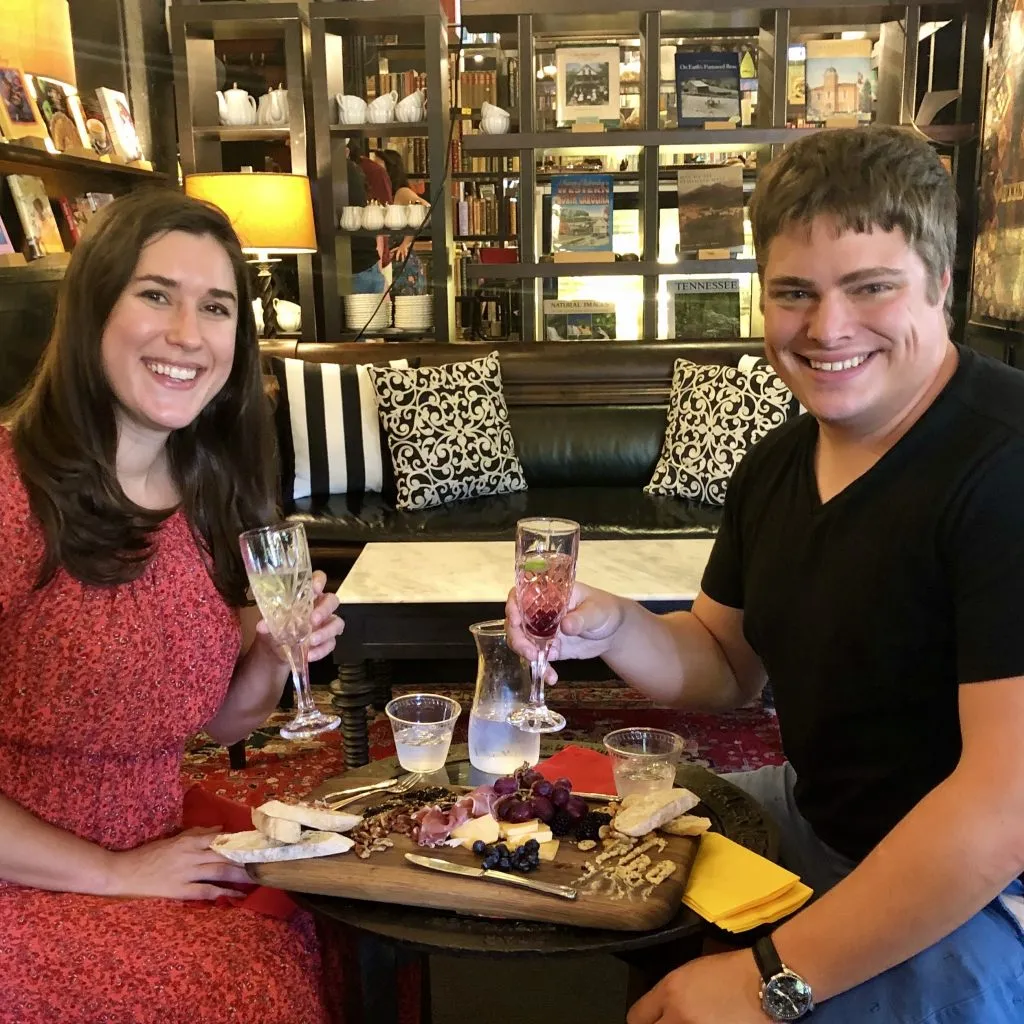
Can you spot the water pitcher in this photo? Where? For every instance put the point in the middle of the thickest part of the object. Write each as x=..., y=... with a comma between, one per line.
x=502, y=686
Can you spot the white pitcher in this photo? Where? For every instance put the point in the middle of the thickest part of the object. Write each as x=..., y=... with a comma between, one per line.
x=411, y=107
x=351, y=109
x=273, y=108
x=236, y=106
x=382, y=109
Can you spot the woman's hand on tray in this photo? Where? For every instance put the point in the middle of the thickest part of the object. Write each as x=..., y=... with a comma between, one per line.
x=587, y=630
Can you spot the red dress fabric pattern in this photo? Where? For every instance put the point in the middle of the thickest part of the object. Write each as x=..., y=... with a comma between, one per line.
x=150, y=662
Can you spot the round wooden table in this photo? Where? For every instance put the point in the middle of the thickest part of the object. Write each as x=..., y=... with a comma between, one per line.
x=396, y=932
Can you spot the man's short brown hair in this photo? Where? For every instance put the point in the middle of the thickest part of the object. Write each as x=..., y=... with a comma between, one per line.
x=866, y=177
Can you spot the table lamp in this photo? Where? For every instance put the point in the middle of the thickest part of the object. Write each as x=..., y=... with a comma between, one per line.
x=271, y=213
x=35, y=35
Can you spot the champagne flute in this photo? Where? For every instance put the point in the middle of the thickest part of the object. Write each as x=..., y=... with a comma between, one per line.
x=546, y=552
x=281, y=577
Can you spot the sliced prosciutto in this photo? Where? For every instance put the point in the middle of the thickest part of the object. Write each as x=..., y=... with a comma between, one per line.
x=480, y=801
x=434, y=826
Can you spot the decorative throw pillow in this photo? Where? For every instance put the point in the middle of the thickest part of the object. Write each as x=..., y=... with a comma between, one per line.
x=329, y=436
x=716, y=413
x=448, y=430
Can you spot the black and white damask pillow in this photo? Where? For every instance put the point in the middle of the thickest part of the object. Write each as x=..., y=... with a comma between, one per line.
x=329, y=436
x=716, y=413
x=448, y=431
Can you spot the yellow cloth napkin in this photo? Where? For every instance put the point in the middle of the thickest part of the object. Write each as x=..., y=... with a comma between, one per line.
x=737, y=889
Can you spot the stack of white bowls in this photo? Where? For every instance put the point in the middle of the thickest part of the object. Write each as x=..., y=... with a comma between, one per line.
x=361, y=312
x=413, y=312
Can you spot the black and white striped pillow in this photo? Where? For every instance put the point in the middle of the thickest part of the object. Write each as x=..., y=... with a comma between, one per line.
x=329, y=436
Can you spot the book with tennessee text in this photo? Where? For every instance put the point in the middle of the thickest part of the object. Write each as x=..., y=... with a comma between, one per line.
x=707, y=87
x=705, y=307
x=581, y=213
x=710, y=207
x=36, y=215
x=579, y=320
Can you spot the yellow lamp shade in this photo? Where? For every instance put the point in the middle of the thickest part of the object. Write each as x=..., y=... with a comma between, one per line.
x=35, y=35
x=269, y=212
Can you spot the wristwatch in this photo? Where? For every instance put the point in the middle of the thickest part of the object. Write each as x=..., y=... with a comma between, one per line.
x=784, y=994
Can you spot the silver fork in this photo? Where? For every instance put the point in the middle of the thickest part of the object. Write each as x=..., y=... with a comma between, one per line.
x=392, y=788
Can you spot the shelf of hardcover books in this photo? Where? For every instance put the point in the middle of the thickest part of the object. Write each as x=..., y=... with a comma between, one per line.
x=63, y=155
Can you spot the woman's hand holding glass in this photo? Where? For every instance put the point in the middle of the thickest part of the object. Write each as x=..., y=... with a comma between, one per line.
x=327, y=626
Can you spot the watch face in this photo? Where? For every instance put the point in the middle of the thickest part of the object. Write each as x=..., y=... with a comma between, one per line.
x=786, y=997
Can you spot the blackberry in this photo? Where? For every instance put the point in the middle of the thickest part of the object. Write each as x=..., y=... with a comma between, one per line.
x=587, y=827
x=562, y=824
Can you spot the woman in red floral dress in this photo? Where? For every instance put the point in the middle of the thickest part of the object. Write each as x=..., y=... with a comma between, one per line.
x=127, y=471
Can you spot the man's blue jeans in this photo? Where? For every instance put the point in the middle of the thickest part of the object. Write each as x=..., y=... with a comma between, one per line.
x=368, y=282
x=975, y=975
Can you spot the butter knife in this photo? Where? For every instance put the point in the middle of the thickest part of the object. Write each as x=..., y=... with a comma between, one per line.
x=505, y=877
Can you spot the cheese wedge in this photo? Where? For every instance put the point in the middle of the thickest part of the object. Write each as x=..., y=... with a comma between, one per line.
x=311, y=816
x=548, y=850
x=653, y=810
x=256, y=848
x=542, y=835
x=485, y=828
x=686, y=825
x=276, y=828
x=522, y=828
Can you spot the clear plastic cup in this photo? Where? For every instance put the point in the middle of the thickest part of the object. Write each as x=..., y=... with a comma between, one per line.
x=423, y=724
x=643, y=760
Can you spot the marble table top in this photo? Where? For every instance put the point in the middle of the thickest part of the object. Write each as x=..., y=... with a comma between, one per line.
x=457, y=572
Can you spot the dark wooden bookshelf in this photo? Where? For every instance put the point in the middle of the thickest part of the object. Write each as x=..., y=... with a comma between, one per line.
x=620, y=268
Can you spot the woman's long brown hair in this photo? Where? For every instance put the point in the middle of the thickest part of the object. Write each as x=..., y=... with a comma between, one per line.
x=64, y=429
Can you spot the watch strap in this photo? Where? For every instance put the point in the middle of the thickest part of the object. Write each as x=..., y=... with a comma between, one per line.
x=769, y=963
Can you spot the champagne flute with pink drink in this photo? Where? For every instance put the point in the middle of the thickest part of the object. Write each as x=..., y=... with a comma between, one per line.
x=546, y=552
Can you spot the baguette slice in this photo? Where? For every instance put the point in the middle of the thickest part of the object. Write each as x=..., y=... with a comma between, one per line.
x=256, y=848
x=276, y=828
x=310, y=815
x=653, y=810
x=686, y=825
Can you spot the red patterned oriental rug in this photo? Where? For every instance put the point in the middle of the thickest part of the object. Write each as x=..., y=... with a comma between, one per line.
x=734, y=741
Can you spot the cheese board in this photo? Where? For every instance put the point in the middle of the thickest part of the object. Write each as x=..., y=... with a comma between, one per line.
x=605, y=899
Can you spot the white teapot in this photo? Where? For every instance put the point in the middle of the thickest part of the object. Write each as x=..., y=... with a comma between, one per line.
x=289, y=315
x=273, y=108
x=351, y=218
x=373, y=217
x=395, y=216
x=351, y=109
x=236, y=106
x=411, y=108
x=382, y=109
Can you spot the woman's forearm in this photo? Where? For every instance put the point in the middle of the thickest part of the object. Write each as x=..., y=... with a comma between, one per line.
x=255, y=691
x=41, y=855
x=951, y=855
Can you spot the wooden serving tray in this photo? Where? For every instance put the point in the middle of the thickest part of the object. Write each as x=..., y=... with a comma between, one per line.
x=387, y=877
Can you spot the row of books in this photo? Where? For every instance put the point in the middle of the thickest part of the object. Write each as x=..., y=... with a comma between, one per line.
x=32, y=106
x=414, y=153
x=39, y=226
x=477, y=88
x=477, y=216
x=403, y=82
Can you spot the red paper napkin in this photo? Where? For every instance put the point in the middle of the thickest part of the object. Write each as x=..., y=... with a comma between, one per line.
x=205, y=810
x=588, y=770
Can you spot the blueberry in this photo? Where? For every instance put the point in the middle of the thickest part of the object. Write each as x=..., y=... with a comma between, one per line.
x=504, y=863
x=490, y=862
x=502, y=850
x=527, y=866
x=480, y=848
x=531, y=845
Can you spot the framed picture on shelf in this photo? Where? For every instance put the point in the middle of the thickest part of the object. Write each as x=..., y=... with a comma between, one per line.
x=587, y=79
x=19, y=115
x=997, y=293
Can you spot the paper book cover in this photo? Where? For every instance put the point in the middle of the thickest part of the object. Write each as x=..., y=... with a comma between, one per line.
x=37, y=221
x=19, y=115
x=96, y=126
x=581, y=213
x=6, y=245
x=710, y=207
x=579, y=320
x=707, y=87
x=53, y=104
x=587, y=80
x=707, y=307
x=839, y=79
x=118, y=119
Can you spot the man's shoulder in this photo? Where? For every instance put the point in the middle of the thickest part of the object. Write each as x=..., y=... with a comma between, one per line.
x=991, y=392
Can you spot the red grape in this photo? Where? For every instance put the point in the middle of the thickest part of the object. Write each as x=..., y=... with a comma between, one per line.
x=562, y=783
x=576, y=807
x=560, y=797
x=530, y=778
x=517, y=811
x=543, y=808
x=505, y=785
x=542, y=788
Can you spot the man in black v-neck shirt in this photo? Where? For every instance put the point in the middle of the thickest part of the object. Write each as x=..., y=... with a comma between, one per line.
x=871, y=563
